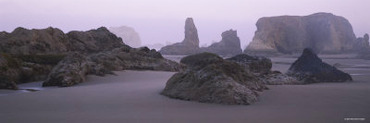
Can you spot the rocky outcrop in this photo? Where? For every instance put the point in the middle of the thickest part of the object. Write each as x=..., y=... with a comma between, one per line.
x=322, y=32
x=210, y=79
x=228, y=46
x=255, y=64
x=261, y=67
x=73, y=69
x=311, y=69
x=128, y=35
x=190, y=45
x=362, y=43
x=9, y=72
x=54, y=41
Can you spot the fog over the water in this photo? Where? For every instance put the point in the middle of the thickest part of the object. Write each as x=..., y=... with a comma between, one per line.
x=161, y=21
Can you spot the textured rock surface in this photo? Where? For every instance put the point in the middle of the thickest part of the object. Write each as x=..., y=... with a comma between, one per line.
x=211, y=79
x=73, y=69
x=189, y=45
x=128, y=35
x=228, y=46
x=310, y=69
x=261, y=67
x=9, y=72
x=323, y=32
x=256, y=64
x=70, y=71
x=54, y=41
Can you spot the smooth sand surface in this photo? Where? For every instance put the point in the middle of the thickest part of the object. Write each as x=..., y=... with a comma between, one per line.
x=133, y=96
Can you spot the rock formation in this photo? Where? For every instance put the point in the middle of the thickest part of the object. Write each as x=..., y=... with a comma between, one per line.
x=54, y=41
x=30, y=55
x=322, y=32
x=311, y=69
x=73, y=69
x=208, y=78
x=128, y=35
x=362, y=43
x=189, y=45
x=261, y=67
x=228, y=46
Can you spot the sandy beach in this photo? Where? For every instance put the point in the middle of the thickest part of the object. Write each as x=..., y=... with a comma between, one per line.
x=133, y=96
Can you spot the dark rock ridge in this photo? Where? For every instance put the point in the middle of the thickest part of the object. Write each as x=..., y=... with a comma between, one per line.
x=311, y=69
x=189, y=45
x=73, y=69
x=228, y=46
x=261, y=67
x=54, y=41
x=30, y=55
x=211, y=79
x=128, y=35
x=322, y=32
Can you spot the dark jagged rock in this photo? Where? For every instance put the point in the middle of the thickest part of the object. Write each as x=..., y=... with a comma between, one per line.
x=322, y=32
x=73, y=69
x=9, y=72
x=208, y=78
x=190, y=45
x=310, y=69
x=54, y=41
x=256, y=64
x=261, y=67
x=70, y=71
x=228, y=46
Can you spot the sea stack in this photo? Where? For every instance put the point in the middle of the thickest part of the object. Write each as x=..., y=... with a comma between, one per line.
x=189, y=45
x=322, y=32
x=228, y=46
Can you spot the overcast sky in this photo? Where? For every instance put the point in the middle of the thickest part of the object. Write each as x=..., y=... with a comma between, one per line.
x=161, y=21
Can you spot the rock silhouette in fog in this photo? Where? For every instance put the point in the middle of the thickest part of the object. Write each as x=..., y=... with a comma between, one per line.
x=189, y=45
x=128, y=34
x=322, y=32
x=228, y=46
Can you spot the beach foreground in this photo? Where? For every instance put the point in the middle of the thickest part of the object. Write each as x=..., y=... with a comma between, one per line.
x=133, y=96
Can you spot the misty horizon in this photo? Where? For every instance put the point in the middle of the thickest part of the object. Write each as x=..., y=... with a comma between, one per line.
x=163, y=21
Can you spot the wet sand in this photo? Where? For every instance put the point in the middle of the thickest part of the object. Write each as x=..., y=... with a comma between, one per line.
x=133, y=96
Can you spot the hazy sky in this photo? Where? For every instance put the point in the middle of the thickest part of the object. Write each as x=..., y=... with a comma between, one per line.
x=161, y=21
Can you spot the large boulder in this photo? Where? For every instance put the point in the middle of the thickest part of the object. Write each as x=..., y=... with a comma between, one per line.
x=210, y=79
x=190, y=45
x=70, y=71
x=311, y=69
x=228, y=46
x=128, y=35
x=322, y=32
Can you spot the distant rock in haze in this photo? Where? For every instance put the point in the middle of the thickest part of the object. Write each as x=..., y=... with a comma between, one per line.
x=228, y=46
x=362, y=43
x=189, y=45
x=128, y=35
x=322, y=32
x=211, y=79
x=309, y=68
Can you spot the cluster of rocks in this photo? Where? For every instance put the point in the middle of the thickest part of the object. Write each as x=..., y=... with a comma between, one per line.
x=322, y=32
x=209, y=78
x=228, y=46
x=65, y=59
x=238, y=80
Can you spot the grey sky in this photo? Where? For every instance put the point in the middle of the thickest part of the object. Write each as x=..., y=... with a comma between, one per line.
x=161, y=21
